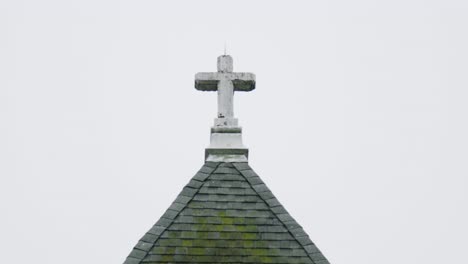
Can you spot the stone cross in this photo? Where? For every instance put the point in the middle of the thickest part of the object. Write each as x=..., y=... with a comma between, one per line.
x=226, y=135
x=225, y=82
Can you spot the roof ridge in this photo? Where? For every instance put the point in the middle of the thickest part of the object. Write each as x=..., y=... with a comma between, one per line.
x=147, y=242
x=296, y=231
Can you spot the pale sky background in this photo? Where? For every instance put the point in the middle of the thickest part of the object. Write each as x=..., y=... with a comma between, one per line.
x=358, y=123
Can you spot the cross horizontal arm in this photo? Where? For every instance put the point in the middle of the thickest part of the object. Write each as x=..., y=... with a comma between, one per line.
x=208, y=81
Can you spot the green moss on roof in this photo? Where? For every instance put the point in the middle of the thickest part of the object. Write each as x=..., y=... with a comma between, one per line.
x=226, y=214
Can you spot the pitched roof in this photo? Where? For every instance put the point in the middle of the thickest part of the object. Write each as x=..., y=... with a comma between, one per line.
x=226, y=214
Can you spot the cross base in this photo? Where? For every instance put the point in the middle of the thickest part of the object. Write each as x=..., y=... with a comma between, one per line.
x=227, y=155
x=226, y=122
x=226, y=142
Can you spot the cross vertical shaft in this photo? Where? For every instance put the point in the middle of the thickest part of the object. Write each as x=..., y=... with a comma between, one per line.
x=225, y=99
x=225, y=88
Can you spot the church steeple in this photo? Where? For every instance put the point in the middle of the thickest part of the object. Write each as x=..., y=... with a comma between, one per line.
x=226, y=213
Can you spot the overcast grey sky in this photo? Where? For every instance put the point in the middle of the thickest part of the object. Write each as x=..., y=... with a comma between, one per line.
x=358, y=123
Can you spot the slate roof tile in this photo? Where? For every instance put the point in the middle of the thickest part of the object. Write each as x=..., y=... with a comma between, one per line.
x=156, y=230
x=131, y=260
x=226, y=170
x=194, y=184
x=226, y=165
x=227, y=177
x=144, y=246
x=206, y=169
x=201, y=176
x=226, y=214
x=182, y=199
x=137, y=253
x=241, y=166
x=177, y=206
x=211, y=164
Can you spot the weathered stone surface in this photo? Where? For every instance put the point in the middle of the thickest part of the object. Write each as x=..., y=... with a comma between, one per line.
x=226, y=135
